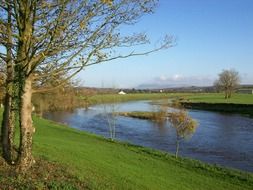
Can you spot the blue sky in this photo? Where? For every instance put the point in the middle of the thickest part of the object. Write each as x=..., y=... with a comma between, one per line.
x=212, y=35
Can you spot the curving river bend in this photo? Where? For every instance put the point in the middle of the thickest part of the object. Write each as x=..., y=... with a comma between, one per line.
x=223, y=139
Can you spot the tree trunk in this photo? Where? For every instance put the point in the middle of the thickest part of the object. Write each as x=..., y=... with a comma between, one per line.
x=7, y=131
x=25, y=158
x=8, y=123
x=226, y=94
x=230, y=94
x=177, y=148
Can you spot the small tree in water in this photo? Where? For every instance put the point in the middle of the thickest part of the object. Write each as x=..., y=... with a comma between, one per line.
x=110, y=113
x=184, y=125
x=111, y=117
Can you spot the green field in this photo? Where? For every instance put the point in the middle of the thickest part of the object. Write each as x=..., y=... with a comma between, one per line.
x=219, y=98
x=192, y=97
x=109, y=98
x=103, y=164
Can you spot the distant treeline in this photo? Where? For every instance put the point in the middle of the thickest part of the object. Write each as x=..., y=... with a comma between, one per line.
x=191, y=89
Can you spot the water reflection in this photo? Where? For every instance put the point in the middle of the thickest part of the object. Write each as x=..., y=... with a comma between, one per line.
x=225, y=139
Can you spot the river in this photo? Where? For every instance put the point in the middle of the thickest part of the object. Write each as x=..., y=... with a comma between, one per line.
x=223, y=139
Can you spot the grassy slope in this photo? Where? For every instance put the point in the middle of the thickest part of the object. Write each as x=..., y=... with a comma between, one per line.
x=107, y=165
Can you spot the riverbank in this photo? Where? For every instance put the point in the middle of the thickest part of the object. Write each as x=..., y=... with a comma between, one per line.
x=218, y=98
x=238, y=103
x=245, y=109
x=103, y=164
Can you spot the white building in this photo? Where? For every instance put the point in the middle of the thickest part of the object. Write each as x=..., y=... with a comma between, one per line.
x=121, y=92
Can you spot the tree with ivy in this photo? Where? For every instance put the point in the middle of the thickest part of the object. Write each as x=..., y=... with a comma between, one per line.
x=42, y=40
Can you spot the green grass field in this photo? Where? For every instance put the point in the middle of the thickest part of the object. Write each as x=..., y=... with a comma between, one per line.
x=219, y=98
x=103, y=164
x=192, y=97
x=108, y=98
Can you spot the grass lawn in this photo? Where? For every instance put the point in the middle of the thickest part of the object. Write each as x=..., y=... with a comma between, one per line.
x=111, y=165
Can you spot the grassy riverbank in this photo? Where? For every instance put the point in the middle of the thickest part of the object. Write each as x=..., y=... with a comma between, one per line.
x=102, y=164
x=238, y=103
x=216, y=98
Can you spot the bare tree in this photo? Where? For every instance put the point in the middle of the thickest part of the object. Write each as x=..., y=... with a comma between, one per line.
x=227, y=82
x=45, y=39
x=110, y=112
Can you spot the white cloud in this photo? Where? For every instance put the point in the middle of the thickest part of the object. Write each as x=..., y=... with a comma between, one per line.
x=180, y=80
x=162, y=78
x=177, y=77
